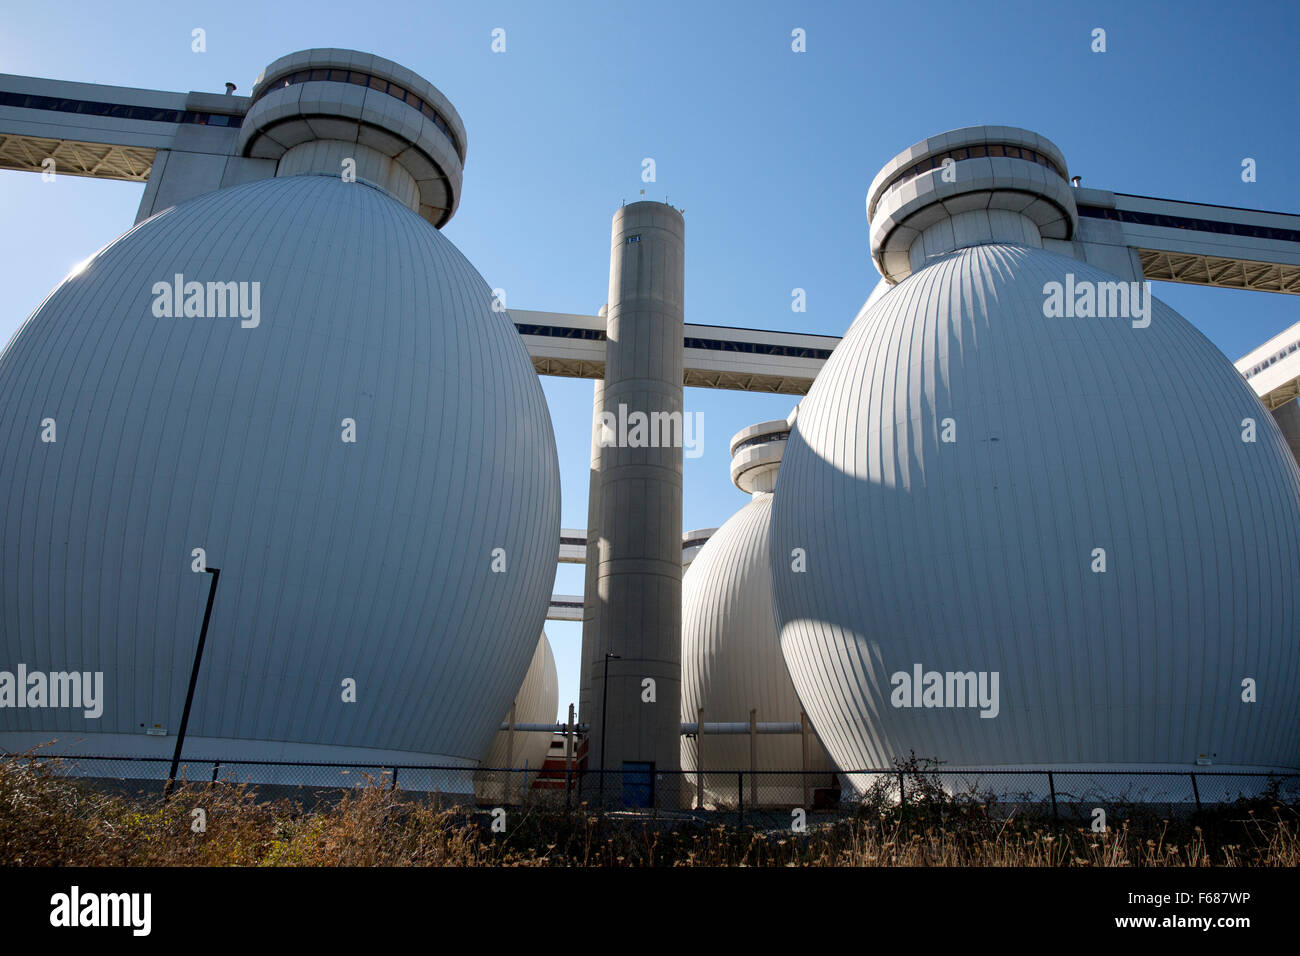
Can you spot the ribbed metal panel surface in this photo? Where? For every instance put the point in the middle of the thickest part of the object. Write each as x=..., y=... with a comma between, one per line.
x=368, y=561
x=535, y=703
x=731, y=656
x=1072, y=434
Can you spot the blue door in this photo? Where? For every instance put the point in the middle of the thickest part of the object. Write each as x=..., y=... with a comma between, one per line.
x=638, y=783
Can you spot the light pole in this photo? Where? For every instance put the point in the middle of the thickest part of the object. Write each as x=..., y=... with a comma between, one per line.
x=194, y=679
x=604, y=698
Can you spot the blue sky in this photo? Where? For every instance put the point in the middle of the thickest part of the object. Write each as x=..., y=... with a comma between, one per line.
x=769, y=152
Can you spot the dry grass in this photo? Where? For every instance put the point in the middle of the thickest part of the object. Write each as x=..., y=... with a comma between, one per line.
x=49, y=820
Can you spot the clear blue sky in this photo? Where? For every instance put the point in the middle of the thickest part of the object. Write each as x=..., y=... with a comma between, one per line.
x=769, y=152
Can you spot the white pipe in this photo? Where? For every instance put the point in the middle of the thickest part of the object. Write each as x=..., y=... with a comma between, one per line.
x=742, y=727
x=731, y=727
x=545, y=728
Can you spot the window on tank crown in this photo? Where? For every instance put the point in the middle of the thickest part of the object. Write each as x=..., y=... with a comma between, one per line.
x=375, y=83
x=971, y=152
x=762, y=440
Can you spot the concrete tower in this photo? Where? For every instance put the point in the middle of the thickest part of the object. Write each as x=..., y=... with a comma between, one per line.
x=639, y=572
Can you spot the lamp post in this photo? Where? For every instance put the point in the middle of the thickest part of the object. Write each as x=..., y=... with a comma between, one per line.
x=604, y=698
x=194, y=679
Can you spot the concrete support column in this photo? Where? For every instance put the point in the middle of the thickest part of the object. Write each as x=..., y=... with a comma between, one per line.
x=639, y=573
x=590, y=604
x=1288, y=419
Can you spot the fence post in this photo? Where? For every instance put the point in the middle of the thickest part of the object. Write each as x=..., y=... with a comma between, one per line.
x=740, y=796
x=902, y=794
x=1196, y=792
x=699, y=758
x=803, y=732
x=753, y=757
x=1051, y=785
x=510, y=755
x=568, y=762
x=394, y=787
x=194, y=679
x=216, y=767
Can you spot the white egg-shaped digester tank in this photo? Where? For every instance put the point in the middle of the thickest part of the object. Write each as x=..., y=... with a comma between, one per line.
x=525, y=750
x=731, y=655
x=986, y=488
x=367, y=457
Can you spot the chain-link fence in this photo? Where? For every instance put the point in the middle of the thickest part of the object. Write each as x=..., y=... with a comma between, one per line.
x=300, y=779
x=763, y=797
x=1068, y=794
